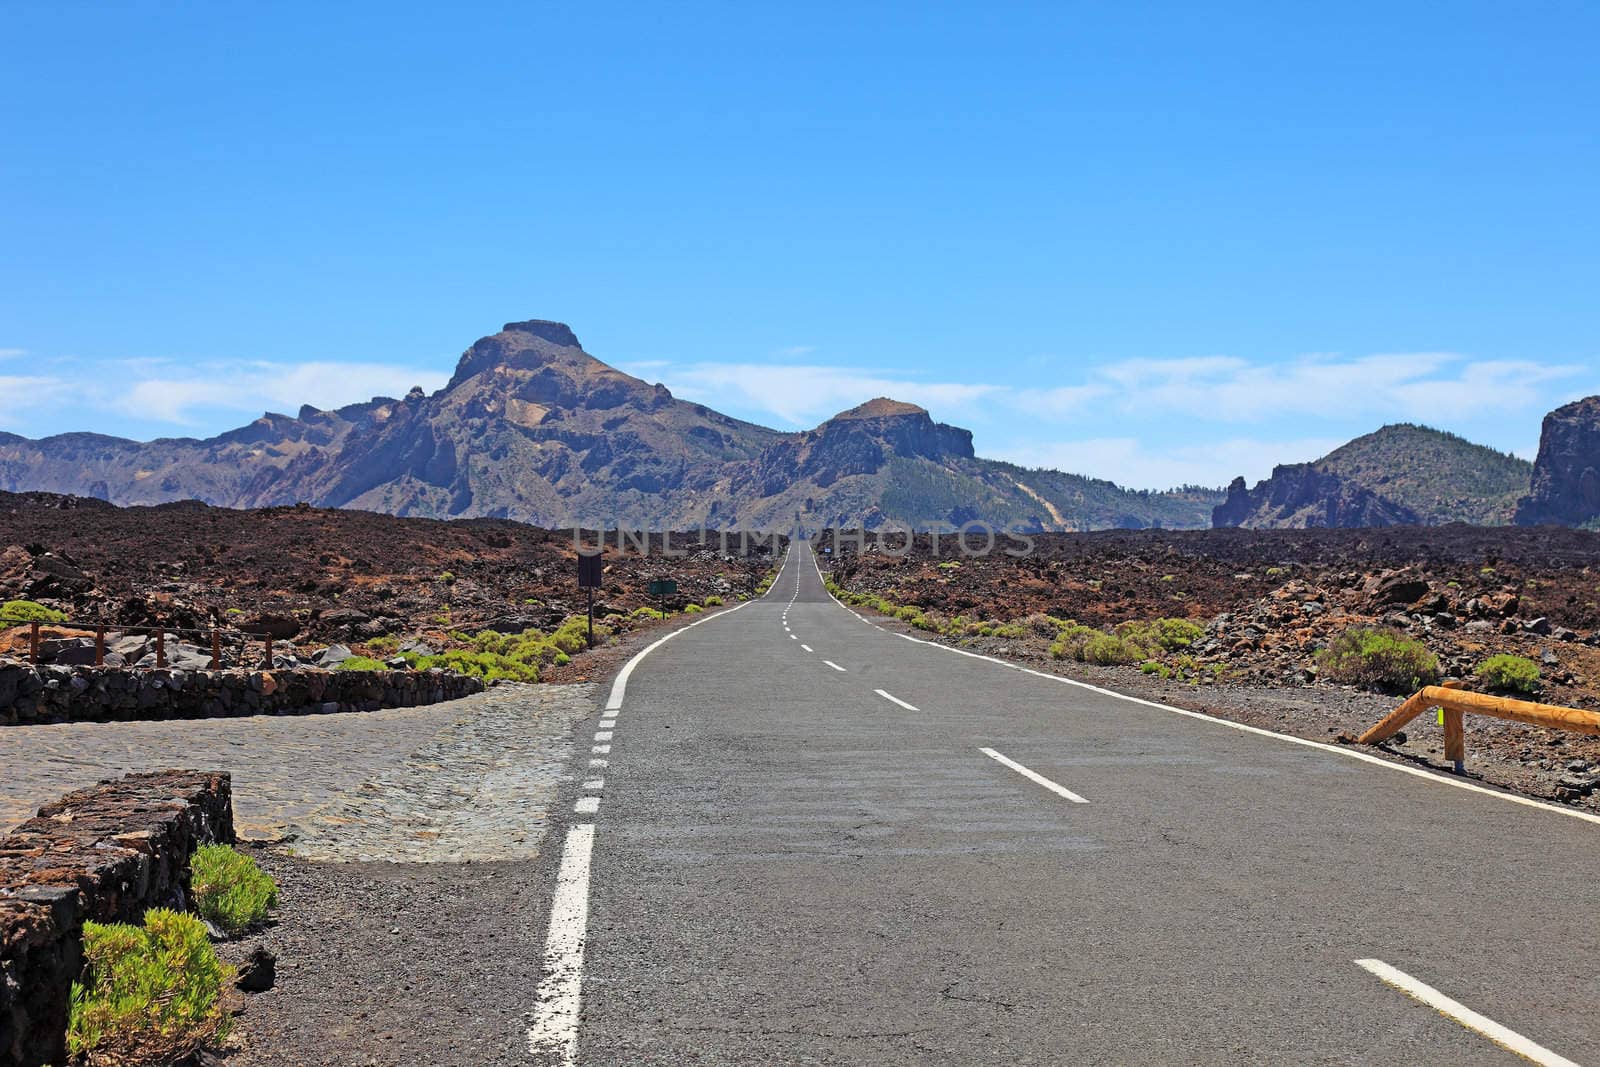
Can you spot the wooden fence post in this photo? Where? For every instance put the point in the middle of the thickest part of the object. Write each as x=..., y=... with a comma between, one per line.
x=216, y=649
x=1455, y=739
x=33, y=641
x=99, y=646
x=161, y=648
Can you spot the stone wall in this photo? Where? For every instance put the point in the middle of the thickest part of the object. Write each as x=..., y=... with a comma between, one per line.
x=105, y=853
x=31, y=694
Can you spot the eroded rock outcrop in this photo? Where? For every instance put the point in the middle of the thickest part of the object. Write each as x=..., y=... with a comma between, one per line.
x=1566, y=476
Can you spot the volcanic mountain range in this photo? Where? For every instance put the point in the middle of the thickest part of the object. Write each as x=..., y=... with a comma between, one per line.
x=533, y=428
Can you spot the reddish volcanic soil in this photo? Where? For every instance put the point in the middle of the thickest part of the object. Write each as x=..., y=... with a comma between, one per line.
x=1271, y=600
x=325, y=575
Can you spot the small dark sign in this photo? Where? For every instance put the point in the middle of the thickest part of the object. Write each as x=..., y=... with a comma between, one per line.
x=588, y=570
x=663, y=587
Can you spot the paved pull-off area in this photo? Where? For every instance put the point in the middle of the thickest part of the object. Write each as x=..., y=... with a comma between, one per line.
x=798, y=838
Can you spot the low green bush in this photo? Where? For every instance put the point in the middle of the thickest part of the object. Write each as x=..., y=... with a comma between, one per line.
x=713, y=601
x=1509, y=674
x=362, y=663
x=231, y=891
x=1108, y=650
x=1378, y=659
x=150, y=994
x=692, y=609
x=1072, y=640
x=15, y=611
x=386, y=646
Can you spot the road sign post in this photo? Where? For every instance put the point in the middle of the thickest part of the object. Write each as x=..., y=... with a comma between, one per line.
x=662, y=588
x=589, y=569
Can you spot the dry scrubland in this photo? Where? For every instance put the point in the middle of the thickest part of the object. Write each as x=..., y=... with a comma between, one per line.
x=1309, y=631
x=460, y=595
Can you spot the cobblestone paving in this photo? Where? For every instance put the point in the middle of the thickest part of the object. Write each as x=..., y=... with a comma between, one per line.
x=465, y=779
x=480, y=789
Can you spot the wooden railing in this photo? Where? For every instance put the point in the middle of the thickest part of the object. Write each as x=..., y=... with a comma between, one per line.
x=1455, y=703
x=100, y=629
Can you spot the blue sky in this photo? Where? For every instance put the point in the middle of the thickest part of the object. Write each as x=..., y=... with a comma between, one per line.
x=1160, y=243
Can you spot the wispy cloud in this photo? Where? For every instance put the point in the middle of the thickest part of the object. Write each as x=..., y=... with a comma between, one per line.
x=12, y=353
x=26, y=394
x=1425, y=386
x=804, y=395
x=1132, y=462
x=252, y=387
x=1417, y=385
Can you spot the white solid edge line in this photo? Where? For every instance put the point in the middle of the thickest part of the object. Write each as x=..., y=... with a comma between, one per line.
x=555, y=1015
x=1377, y=761
x=1454, y=1009
x=1034, y=776
x=619, y=687
x=896, y=700
x=834, y=665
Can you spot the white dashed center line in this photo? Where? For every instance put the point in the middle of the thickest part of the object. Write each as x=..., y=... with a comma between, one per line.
x=834, y=665
x=891, y=698
x=806, y=647
x=601, y=750
x=586, y=806
x=1034, y=776
x=1455, y=1010
x=603, y=735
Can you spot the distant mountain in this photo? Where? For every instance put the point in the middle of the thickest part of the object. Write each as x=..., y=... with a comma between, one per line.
x=533, y=428
x=1401, y=475
x=1566, y=474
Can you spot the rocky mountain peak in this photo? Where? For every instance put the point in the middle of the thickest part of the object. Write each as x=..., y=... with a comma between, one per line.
x=880, y=408
x=533, y=345
x=557, y=333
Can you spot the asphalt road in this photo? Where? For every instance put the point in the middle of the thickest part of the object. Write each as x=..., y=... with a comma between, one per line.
x=799, y=852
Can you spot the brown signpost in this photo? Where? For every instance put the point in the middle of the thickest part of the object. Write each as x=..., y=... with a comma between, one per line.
x=589, y=577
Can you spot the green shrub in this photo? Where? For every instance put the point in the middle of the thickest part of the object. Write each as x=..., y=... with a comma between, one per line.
x=1379, y=659
x=713, y=601
x=1071, y=642
x=231, y=891
x=692, y=609
x=447, y=578
x=908, y=614
x=1107, y=650
x=1173, y=634
x=362, y=663
x=950, y=565
x=1509, y=674
x=386, y=646
x=15, y=611
x=150, y=994
x=1045, y=625
x=1151, y=666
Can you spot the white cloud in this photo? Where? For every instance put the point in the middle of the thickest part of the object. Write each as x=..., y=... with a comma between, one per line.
x=1132, y=463
x=254, y=387
x=1423, y=386
x=12, y=353
x=22, y=397
x=802, y=395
